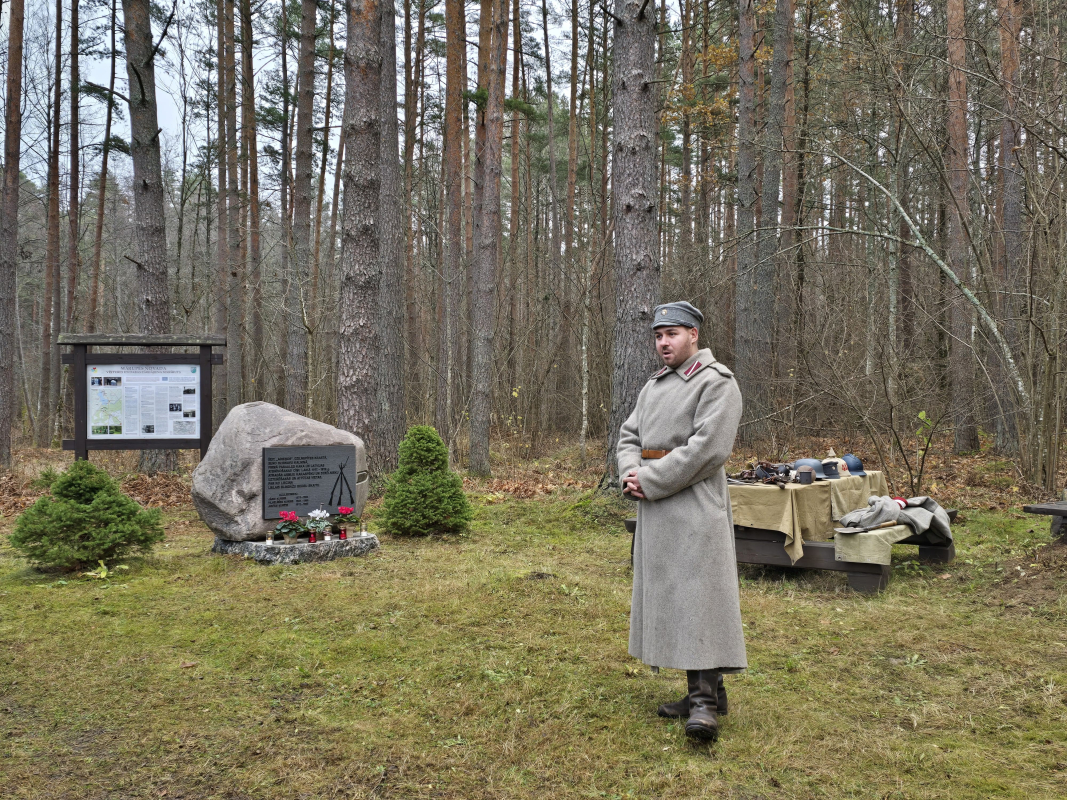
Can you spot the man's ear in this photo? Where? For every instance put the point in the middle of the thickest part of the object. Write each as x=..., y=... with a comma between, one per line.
x=694, y=334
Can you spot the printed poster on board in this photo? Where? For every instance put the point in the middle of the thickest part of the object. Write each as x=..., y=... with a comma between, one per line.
x=144, y=401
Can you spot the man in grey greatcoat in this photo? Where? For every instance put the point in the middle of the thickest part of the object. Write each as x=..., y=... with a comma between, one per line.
x=685, y=612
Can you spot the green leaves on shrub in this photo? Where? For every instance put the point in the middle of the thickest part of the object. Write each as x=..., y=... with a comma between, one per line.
x=87, y=519
x=423, y=496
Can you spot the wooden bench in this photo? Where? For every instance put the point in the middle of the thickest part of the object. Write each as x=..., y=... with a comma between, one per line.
x=1058, y=512
x=758, y=546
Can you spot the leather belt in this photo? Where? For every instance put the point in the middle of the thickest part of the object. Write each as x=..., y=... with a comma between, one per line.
x=654, y=453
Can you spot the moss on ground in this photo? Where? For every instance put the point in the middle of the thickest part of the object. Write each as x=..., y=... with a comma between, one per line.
x=494, y=665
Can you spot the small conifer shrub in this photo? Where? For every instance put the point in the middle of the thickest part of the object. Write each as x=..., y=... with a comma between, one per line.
x=423, y=496
x=86, y=519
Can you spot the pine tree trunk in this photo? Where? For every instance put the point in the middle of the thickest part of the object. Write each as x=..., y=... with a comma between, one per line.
x=755, y=285
x=554, y=210
x=774, y=142
x=152, y=288
x=961, y=371
x=1010, y=218
x=74, y=179
x=248, y=117
x=291, y=294
x=452, y=271
x=9, y=223
x=235, y=289
x=220, y=305
x=389, y=426
x=634, y=203
x=98, y=236
x=296, y=394
x=487, y=257
x=52, y=312
x=360, y=258
x=412, y=90
x=685, y=198
x=569, y=214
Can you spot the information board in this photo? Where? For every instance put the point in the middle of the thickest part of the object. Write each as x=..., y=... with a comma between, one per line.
x=301, y=479
x=143, y=401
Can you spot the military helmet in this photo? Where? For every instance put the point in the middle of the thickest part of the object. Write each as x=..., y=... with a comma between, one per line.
x=855, y=466
x=815, y=465
x=830, y=471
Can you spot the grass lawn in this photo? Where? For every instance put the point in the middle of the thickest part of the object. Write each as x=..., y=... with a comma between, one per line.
x=494, y=665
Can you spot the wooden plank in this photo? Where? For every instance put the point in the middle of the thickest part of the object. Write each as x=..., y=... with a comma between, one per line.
x=870, y=583
x=937, y=554
x=142, y=340
x=141, y=358
x=81, y=403
x=136, y=444
x=1049, y=509
x=206, y=422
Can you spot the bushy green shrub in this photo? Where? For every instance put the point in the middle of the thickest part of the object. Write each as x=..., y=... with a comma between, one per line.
x=423, y=496
x=86, y=519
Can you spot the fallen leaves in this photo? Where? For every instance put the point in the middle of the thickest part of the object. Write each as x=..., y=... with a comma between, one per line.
x=165, y=490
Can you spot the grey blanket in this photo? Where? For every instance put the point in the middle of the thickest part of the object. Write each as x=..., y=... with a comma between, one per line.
x=922, y=514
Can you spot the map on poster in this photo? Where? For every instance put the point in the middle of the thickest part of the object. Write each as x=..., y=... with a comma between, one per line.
x=144, y=401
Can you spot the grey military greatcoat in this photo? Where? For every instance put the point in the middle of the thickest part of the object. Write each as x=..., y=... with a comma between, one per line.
x=685, y=612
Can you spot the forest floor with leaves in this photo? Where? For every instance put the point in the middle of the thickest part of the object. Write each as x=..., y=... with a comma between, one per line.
x=494, y=664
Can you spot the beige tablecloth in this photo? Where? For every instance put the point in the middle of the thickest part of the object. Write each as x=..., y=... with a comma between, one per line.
x=870, y=547
x=809, y=510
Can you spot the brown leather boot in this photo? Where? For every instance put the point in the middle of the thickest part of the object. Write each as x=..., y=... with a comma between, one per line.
x=703, y=721
x=679, y=709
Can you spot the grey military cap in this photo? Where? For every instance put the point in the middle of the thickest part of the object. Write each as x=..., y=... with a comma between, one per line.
x=680, y=313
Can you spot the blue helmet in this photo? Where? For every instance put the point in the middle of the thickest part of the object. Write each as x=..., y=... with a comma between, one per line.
x=855, y=466
x=815, y=464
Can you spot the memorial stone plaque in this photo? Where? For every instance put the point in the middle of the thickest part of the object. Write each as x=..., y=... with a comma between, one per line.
x=302, y=479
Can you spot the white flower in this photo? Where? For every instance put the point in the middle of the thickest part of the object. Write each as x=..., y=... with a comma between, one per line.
x=318, y=513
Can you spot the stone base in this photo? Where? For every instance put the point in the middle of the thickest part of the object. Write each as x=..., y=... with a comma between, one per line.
x=301, y=553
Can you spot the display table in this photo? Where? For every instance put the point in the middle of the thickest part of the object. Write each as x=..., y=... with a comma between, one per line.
x=803, y=513
x=794, y=527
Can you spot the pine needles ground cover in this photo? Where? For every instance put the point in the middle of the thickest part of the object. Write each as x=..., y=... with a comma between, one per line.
x=493, y=665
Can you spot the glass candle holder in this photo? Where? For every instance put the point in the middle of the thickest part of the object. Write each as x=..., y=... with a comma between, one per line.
x=311, y=537
x=343, y=534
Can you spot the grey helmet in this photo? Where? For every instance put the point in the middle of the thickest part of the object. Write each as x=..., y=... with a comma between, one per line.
x=815, y=464
x=855, y=466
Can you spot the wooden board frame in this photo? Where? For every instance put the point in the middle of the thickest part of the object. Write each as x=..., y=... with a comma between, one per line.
x=81, y=357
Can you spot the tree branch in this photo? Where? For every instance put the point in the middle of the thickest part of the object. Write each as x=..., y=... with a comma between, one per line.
x=105, y=90
x=162, y=36
x=617, y=20
x=920, y=241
